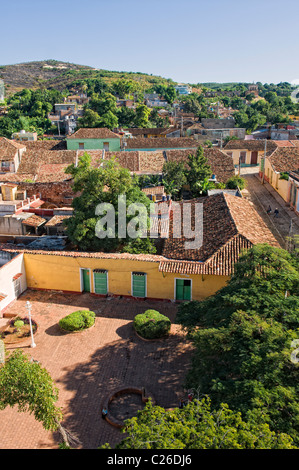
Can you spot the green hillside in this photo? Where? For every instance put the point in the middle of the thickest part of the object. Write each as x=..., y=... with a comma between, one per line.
x=53, y=74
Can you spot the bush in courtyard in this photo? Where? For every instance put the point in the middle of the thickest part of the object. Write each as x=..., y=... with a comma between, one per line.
x=76, y=321
x=152, y=324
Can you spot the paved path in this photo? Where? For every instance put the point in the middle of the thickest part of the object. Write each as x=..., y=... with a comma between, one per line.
x=263, y=196
x=87, y=366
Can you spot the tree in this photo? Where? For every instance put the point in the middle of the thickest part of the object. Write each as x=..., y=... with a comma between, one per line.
x=198, y=426
x=174, y=177
x=103, y=184
x=243, y=336
x=198, y=171
x=29, y=386
x=89, y=119
x=142, y=115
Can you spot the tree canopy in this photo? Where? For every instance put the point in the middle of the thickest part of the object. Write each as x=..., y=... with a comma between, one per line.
x=243, y=336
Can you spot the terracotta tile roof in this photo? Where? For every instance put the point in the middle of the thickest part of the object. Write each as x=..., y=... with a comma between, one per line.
x=57, y=220
x=147, y=130
x=284, y=143
x=285, y=159
x=253, y=145
x=9, y=148
x=230, y=225
x=33, y=159
x=34, y=221
x=16, y=177
x=94, y=133
x=161, y=142
x=154, y=190
x=49, y=173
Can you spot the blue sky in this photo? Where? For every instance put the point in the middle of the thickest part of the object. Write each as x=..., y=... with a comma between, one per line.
x=189, y=40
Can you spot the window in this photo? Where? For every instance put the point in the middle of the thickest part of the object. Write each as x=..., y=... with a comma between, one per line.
x=106, y=146
x=183, y=289
x=139, y=284
x=81, y=145
x=100, y=277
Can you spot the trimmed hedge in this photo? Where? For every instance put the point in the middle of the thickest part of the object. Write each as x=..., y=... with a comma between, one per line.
x=152, y=324
x=76, y=321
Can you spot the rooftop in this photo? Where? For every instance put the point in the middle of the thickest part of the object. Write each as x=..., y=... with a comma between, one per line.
x=285, y=159
x=9, y=148
x=94, y=133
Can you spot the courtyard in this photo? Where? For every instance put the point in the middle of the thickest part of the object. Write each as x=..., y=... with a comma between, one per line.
x=90, y=365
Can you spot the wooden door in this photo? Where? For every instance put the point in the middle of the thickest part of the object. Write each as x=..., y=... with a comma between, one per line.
x=253, y=160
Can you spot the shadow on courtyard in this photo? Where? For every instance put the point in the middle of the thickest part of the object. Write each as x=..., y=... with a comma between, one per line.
x=159, y=367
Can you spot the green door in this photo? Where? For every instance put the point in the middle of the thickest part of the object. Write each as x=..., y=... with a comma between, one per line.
x=100, y=282
x=183, y=289
x=86, y=280
x=139, y=284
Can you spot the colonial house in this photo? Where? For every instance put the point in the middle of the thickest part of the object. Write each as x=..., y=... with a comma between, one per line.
x=94, y=138
x=10, y=155
x=248, y=152
x=278, y=166
x=229, y=226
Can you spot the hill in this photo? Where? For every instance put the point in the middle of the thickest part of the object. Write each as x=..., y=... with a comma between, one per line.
x=64, y=75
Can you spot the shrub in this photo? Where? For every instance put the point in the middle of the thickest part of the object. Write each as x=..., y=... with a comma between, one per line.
x=236, y=182
x=76, y=321
x=152, y=324
x=18, y=324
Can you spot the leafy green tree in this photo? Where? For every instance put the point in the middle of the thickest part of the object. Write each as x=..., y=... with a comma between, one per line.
x=126, y=117
x=142, y=115
x=198, y=426
x=174, y=177
x=198, y=171
x=29, y=387
x=103, y=184
x=89, y=119
x=243, y=336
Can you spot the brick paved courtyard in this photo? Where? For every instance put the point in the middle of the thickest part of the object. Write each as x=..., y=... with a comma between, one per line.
x=87, y=366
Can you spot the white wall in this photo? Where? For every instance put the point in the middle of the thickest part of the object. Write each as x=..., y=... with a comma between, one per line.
x=7, y=272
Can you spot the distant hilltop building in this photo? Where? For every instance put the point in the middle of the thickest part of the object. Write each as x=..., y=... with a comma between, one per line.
x=1, y=90
x=183, y=89
x=254, y=89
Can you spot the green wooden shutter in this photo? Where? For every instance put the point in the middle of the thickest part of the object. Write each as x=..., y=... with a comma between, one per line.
x=100, y=282
x=183, y=289
x=179, y=291
x=86, y=280
x=139, y=284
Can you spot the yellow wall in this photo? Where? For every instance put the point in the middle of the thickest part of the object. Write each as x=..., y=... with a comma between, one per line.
x=63, y=273
x=236, y=156
x=281, y=186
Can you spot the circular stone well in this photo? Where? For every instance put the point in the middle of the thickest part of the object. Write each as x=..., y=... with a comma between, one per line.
x=124, y=404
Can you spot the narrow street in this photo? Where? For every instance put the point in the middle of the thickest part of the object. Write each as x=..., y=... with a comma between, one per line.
x=263, y=196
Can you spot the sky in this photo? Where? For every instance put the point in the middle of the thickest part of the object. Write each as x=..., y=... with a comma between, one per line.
x=189, y=41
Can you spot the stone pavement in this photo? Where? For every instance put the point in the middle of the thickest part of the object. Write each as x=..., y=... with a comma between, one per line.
x=263, y=195
x=87, y=366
